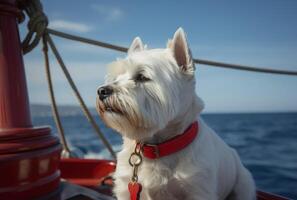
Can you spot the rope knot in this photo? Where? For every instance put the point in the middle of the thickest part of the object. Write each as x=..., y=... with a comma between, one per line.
x=37, y=24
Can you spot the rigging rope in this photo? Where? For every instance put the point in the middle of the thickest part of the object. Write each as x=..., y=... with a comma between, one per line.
x=80, y=99
x=244, y=67
x=37, y=27
x=197, y=61
x=66, y=151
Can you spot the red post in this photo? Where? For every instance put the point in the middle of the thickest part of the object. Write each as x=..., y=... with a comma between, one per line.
x=29, y=156
x=14, y=105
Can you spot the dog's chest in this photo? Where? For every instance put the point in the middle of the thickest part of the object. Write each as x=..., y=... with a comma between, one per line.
x=159, y=181
x=172, y=190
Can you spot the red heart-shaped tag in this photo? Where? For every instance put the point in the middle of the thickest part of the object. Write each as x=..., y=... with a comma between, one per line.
x=134, y=189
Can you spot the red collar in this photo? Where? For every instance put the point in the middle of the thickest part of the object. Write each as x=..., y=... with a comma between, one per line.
x=153, y=151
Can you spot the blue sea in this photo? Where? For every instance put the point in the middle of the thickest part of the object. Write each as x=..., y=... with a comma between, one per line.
x=266, y=142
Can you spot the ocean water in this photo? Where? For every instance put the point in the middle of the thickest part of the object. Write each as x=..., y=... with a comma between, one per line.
x=266, y=143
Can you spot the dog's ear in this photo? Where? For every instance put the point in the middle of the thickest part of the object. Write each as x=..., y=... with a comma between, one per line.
x=181, y=51
x=136, y=46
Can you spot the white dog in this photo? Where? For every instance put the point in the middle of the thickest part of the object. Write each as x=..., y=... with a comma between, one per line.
x=149, y=97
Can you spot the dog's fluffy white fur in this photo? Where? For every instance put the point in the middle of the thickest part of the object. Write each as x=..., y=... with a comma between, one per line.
x=153, y=99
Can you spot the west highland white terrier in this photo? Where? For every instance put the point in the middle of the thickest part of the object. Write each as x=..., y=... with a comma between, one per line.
x=168, y=150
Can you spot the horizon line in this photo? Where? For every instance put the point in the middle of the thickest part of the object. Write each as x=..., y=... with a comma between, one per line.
x=203, y=112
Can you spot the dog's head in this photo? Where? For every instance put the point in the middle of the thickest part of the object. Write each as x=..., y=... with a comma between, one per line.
x=148, y=89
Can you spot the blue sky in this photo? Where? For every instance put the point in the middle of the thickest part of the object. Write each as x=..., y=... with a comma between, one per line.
x=259, y=33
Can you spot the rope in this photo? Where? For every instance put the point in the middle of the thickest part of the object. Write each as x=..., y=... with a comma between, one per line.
x=244, y=67
x=37, y=24
x=87, y=40
x=80, y=99
x=66, y=151
x=197, y=61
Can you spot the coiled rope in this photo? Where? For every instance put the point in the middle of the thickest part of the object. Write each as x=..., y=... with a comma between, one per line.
x=37, y=24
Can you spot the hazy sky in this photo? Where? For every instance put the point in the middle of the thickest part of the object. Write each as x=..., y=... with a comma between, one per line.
x=259, y=33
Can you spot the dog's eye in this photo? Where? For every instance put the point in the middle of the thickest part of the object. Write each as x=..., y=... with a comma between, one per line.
x=141, y=78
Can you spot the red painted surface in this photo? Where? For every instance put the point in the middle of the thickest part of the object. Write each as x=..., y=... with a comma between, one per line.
x=268, y=196
x=86, y=172
x=91, y=173
x=29, y=156
x=14, y=106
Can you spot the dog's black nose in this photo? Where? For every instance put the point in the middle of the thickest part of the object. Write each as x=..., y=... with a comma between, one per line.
x=104, y=92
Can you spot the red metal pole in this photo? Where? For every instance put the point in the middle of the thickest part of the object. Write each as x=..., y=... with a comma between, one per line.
x=14, y=104
x=29, y=156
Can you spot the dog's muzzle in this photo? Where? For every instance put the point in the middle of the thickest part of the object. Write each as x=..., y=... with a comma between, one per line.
x=104, y=92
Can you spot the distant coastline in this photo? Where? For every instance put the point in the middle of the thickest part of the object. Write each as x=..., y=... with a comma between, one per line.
x=45, y=109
